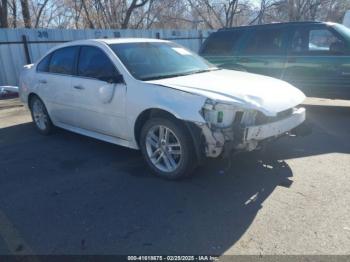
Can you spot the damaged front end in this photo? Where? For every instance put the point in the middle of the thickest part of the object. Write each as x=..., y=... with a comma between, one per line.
x=229, y=128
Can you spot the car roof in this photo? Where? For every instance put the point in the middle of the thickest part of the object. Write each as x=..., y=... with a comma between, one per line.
x=106, y=41
x=128, y=40
x=109, y=41
x=275, y=25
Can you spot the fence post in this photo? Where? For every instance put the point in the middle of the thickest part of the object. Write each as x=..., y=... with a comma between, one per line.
x=26, y=50
x=200, y=38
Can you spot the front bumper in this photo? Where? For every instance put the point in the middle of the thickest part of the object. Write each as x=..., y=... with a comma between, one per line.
x=237, y=138
x=275, y=129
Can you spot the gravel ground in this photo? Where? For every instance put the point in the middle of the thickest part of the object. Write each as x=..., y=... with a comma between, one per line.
x=69, y=194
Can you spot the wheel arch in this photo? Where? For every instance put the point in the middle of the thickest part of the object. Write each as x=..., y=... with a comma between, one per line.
x=31, y=95
x=191, y=128
x=147, y=114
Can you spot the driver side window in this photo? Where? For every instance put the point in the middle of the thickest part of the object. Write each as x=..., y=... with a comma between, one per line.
x=94, y=63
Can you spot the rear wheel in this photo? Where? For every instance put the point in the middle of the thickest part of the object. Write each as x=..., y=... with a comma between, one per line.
x=167, y=148
x=40, y=116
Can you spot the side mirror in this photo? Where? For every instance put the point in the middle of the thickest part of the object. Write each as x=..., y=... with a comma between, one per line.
x=116, y=79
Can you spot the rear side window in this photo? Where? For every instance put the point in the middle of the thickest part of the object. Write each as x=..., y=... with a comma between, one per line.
x=221, y=43
x=316, y=41
x=265, y=42
x=43, y=66
x=94, y=63
x=63, y=60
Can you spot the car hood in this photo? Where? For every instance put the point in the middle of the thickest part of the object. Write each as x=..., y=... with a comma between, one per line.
x=246, y=90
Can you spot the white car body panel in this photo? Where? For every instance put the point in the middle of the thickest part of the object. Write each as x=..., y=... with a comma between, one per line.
x=100, y=106
x=109, y=111
x=266, y=94
x=262, y=132
x=58, y=96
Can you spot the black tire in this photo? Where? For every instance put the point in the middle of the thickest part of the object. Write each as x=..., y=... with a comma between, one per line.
x=187, y=160
x=47, y=126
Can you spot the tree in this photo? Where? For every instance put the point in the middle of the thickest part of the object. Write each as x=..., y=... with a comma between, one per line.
x=132, y=7
x=13, y=8
x=26, y=13
x=3, y=14
x=39, y=13
x=175, y=14
x=301, y=10
x=91, y=24
x=217, y=14
x=264, y=14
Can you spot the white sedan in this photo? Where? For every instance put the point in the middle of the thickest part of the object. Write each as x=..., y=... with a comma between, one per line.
x=159, y=97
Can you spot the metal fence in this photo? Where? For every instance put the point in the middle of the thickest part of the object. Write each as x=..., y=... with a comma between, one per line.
x=23, y=46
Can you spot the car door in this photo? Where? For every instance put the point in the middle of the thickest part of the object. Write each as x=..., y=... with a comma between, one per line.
x=263, y=51
x=54, y=75
x=318, y=62
x=100, y=99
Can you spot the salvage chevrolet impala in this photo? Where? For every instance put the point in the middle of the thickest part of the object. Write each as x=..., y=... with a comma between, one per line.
x=158, y=97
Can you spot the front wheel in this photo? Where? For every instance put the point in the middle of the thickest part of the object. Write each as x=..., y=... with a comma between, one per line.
x=167, y=147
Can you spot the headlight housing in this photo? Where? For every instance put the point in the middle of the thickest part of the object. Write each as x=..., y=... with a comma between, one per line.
x=224, y=115
x=219, y=114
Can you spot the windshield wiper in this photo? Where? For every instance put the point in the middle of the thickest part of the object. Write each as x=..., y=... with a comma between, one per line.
x=160, y=77
x=180, y=74
x=203, y=71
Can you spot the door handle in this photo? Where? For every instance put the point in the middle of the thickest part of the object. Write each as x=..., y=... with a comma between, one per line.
x=42, y=81
x=78, y=87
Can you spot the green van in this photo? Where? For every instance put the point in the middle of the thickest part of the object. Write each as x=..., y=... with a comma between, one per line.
x=313, y=56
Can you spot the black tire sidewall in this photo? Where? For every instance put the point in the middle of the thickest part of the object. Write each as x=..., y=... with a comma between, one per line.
x=188, y=160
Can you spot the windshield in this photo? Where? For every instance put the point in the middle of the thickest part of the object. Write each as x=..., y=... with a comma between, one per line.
x=156, y=60
x=343, y=30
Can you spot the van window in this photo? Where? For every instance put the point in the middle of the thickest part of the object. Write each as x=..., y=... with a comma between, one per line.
x=63, y=60
x=221, y=43
x=265, y=42
x=321, y=40
x=94, y=63
x=299, y=43
x=316, y=41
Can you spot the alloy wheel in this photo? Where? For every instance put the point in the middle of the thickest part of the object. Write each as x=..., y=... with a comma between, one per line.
x=39, y=114
x=163, y=148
